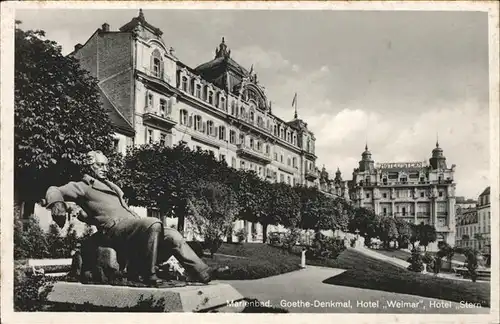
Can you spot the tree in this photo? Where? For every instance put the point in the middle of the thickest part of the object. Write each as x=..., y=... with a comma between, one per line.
x=404, y=232
x=426, y=234
x=366, y=221
x=55, y=242
x=284, y=206
x=58, y=117
x=71, y=239
x=214, y=206
x=387, y=230
x=29, y=240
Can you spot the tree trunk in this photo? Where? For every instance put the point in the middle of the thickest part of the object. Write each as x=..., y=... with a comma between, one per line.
x=264, y=233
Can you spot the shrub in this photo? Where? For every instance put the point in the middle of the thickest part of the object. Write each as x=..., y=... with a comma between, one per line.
x=325, y=247
x=241, y=234
x=213, y=245
x=427, y=258
x=291, y=238
x=26, y=287
x=416, y=263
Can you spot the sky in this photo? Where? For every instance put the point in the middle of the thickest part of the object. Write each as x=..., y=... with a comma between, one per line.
x=394, y=80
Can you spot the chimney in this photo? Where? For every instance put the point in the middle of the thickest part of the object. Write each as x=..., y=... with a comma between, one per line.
x=78, y=46
x=105, y=27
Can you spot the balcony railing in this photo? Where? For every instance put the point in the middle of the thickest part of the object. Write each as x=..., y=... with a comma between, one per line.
x=155, y=116
x=423, y=214
x=404, y=214
x=245, y=150
x=312, y=174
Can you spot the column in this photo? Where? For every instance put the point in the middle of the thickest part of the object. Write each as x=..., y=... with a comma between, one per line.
x=392, y=208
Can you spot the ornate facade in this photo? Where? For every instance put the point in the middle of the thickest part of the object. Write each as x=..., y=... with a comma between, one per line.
x=417, y=192
x=217, y=106
x=474, y=224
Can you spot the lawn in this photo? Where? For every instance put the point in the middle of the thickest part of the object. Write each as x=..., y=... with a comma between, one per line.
x=366, y=272
x=255, y=260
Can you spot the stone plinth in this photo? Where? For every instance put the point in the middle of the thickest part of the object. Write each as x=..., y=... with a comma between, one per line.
x=214, y=296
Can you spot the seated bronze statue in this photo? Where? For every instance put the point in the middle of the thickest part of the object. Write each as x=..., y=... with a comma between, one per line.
x=140, y=243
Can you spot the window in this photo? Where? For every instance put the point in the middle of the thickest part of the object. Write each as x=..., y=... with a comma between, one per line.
x=184, y=84
x=198, y=91
x=440, y=194
x=242, y=164
x=223, y=103
x=294, y=182
x=210, y=128
x=232, y=137
x=156, y=64
x=222, y=133
x=252, y=115
x=163, y=139
x=259, y=147
x=289, y=162
x=242, y=139
x=149, y=138
x=404, y=211
x=211, y=97
x=288, y=180
x=183, y=119
x=242, y=112
x=282, y=178
x=268, y=150
x=367, y=195
x=275, y=130
x=233, y=162
x=422, y=194
x=384, y=195
x=275, y=156
x=222, y=157
x=197, y=123
x=281, y=158
x=163, y=107
x=385, y=211
x=404, y=179
x=149, y=103
x=251, y=142
x=384, y=181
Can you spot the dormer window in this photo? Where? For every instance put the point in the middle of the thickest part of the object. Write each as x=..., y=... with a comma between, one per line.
x=156, y=64
x=198, y=91
x=184, y=84
x=223, y=103
x=211, y=97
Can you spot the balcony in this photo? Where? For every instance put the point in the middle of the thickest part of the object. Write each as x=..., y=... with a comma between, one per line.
x=288, y=169
x=247, y=151
x=423, y=214
x=404, y=214
x=155, y=117
x=312, y=175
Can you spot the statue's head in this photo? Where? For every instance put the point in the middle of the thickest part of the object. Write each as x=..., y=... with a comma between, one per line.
x=98, y=164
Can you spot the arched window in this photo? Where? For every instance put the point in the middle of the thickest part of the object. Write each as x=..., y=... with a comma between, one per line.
x=242, y=112
x=156, y=64
x=184, y=83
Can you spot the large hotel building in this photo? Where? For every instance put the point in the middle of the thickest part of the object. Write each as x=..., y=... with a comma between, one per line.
x=152, y=96
x=417, y=192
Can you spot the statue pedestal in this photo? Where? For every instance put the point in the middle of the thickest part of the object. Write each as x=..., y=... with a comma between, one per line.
x=220, y=297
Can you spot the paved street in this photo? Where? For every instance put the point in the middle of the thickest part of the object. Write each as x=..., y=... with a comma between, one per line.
x=306, y=285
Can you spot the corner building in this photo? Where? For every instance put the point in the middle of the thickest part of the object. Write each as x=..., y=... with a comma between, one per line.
x=417, y=192
x=152, y=96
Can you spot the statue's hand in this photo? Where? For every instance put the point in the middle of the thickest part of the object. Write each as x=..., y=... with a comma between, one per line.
x=59, y=213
